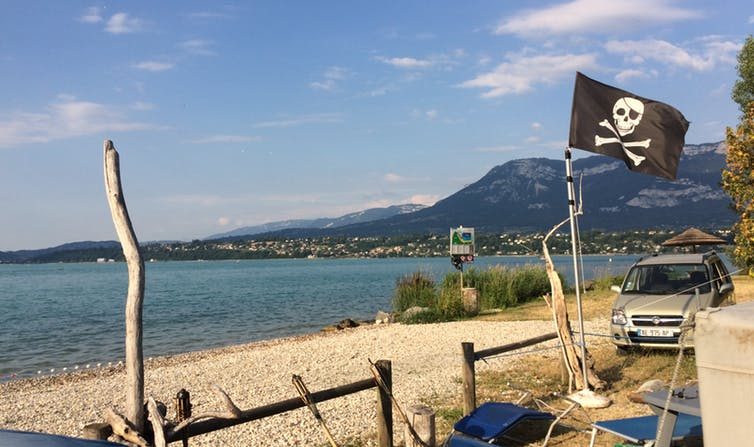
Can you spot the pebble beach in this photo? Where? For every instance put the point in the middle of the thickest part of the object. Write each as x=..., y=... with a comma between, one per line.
x=426, y=365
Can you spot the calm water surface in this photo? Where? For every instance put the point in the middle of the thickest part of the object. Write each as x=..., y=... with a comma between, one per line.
x=62, y=315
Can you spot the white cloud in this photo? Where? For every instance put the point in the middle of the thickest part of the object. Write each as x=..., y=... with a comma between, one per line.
x=327, y=85
x=226, y=139
x=631, y=73
x=431, y=114
x=65, y=118
x=391, y=177
x=751, y=19
x=122, y=23
x=223, y=221
x=593, y=16
x=420, y=199
x=423, y=199
x=300, y=120
x=532, y=139
x=405, y=62
x=92, y=15
x=336, y=73
x=197, y=46
x=154, y=66
x=522, y=73
x=443, y=61
x=536, y=126
x=331, y=77
x=711, y=52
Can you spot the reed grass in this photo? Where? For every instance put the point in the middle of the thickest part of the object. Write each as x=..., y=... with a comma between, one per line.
x=498, y=288
x=414, y=289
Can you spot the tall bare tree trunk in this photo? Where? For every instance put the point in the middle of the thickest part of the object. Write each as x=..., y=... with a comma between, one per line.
x=135, y=297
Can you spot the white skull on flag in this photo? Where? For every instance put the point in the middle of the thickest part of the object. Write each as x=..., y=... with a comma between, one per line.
x=627, y=113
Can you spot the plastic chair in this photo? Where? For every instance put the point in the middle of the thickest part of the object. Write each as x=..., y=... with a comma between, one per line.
x=490, y=422
x=643, y=429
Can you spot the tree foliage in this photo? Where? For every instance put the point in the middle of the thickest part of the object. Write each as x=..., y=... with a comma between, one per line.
x=738, y=182
x=743, y=89
x=738, y=177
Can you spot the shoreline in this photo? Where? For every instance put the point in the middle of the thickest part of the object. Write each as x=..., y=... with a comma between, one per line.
x=426, y=366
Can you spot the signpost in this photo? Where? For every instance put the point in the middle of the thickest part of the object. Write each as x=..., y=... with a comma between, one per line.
x=461, y=248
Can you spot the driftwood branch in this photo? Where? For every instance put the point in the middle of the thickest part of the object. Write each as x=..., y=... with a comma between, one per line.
x=231, y=412
x=158, y=423
x=124, y=428
x=563, y=325
x=135, y=297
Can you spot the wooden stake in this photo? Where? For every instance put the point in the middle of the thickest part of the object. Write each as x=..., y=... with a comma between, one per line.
x=135, y=297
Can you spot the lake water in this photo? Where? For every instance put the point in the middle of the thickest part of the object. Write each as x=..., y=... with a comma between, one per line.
x=55, y=316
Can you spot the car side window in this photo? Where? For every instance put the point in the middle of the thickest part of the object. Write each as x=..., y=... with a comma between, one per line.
x=632, y=280
x=720, y=274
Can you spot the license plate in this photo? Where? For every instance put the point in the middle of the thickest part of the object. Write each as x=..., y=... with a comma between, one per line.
x=655, y=332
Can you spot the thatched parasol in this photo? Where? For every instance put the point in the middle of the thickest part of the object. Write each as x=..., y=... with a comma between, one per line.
x=693, y=237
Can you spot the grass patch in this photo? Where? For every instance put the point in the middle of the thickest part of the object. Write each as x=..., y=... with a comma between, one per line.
x=498, y=287
x=541, y=373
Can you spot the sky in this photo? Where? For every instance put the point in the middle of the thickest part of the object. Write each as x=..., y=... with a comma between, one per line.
x=230, y=114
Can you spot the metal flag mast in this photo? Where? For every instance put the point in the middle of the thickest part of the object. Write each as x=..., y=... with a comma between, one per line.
x=574, y=251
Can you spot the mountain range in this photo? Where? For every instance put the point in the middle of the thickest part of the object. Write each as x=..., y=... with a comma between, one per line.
x=530, y=195
x=524, y=195
x=323, y=222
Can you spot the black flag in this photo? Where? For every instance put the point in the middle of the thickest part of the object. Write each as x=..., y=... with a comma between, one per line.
x=648, y=135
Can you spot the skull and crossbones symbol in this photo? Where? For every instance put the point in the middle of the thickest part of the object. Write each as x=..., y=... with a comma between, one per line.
x=627, y=114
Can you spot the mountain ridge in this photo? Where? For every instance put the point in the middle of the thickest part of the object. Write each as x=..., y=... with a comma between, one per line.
x=322, y=222
x=530, y=195
x=525, y=195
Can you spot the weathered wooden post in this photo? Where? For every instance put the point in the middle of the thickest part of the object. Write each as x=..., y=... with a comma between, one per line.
x=135, y=297
x=470, y=300
x=468, y=374
x=422, y=419
x=384, y=404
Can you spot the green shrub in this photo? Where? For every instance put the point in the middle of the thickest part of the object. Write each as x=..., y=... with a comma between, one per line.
x=450, y=303
x=430, y=315
x=415, y=289
x=472, y=277
x=527, y=283
x=497, y=286
x=494, y=290
x=604, y=282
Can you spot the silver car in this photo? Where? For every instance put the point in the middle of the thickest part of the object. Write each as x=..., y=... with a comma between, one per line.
x=661, y=292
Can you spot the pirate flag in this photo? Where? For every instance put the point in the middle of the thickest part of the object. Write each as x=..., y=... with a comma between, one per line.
x=648, y=135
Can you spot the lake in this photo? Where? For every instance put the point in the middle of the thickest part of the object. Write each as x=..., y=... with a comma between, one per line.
x=55, y=316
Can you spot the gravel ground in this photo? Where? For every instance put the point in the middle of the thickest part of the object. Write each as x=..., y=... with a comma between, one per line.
x=426, y=364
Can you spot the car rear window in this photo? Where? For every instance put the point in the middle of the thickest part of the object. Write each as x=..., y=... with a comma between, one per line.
x=667, y=279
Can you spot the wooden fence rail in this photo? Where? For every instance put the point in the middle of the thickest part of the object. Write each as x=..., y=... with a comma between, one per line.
x=201, y=427
x=468, y=372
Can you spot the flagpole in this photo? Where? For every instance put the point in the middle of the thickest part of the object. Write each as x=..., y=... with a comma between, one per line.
x=574, y=251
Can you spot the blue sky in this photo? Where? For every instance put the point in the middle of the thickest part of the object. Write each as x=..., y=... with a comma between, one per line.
x=232, y=114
